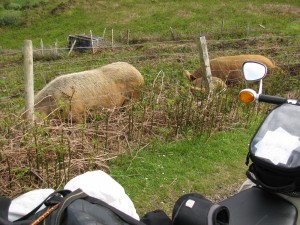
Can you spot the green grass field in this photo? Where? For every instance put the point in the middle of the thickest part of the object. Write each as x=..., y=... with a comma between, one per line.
x=171, y=142
x=149, y=19
x=162, y=173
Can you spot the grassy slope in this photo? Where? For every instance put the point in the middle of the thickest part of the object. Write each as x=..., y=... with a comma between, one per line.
x=155, y=177
x=149, y=18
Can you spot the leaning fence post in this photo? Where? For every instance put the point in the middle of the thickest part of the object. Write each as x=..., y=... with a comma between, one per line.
x=204, y=60
x=71, y=49
x=28, y=73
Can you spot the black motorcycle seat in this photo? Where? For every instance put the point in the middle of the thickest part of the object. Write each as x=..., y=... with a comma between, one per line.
x=255, y=206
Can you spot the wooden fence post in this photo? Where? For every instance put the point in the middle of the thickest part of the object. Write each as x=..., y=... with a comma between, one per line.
x=128, y=33
x=112, y=38
x=248, y=29
x=71, y=49
x=42, y=46
x=204, y=60
x=55, y=48
x=222, y=26
x=28, y=73
x=92, y=44
x=172, y=33
x=103, y=35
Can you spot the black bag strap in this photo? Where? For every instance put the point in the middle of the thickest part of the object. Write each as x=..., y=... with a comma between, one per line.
x=4, y=207
x=280, y=189
x=79, y=194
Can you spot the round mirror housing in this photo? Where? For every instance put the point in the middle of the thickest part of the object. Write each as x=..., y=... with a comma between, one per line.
x=254, y=71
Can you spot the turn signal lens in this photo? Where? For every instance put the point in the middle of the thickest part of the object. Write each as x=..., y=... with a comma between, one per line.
x=247, y=95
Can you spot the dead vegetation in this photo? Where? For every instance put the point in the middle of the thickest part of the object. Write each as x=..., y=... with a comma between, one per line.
x=49, y=154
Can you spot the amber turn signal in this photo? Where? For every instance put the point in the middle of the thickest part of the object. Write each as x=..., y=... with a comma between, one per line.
x=247, y=95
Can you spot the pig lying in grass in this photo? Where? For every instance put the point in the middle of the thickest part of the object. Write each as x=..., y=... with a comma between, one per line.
x=109, y=86
x=229, y=68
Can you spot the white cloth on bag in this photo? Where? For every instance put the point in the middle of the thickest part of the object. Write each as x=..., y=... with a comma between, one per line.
x=100, y=185
x=25, y=203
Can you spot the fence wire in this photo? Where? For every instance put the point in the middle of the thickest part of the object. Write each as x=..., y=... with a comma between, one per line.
x=55, y=150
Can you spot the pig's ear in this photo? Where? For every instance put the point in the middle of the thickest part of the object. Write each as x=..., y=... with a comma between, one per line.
x=187, y=74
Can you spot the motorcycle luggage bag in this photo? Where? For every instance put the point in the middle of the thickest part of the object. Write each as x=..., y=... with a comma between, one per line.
x=195, y=209
x=258, y=206
x=275, y=151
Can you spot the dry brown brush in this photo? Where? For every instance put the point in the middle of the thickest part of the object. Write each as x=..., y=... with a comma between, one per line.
x=51, y=153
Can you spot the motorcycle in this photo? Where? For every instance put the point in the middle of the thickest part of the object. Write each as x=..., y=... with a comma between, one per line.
x=265, y=203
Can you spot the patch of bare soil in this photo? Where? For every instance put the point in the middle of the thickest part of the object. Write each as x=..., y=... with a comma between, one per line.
x=62, y=7
x=280, y=9
x=291, y=69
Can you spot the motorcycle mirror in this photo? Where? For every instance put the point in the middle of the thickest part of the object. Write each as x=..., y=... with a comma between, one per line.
x=254, y=71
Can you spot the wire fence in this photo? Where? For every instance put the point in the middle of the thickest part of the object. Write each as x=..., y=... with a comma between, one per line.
x=50, y=62
x=52, y=152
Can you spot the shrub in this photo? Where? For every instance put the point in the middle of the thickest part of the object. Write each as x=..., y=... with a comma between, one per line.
x=11, y=17
x=13, y=6
x=5, y=3
x=28, y=4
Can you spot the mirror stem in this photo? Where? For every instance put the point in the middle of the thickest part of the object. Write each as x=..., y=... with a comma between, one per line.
x=260, y=87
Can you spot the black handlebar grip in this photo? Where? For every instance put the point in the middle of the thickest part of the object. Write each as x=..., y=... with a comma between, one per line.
x=272, y=99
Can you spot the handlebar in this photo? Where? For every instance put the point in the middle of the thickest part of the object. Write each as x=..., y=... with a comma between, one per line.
x=272, y=99
x=277, y=100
